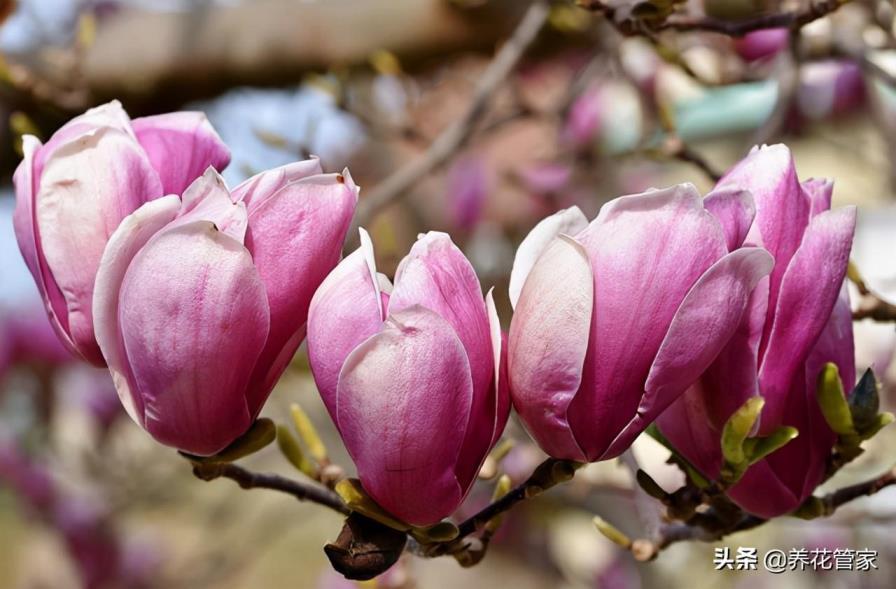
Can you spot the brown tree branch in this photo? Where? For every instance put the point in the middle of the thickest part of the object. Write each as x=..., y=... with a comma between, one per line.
x=794, y=20
x=645, y=549
x=875, y=308
x=837, y=498
x=675, y=148
x=453, y=138
x=208, y=471
x=549, y=473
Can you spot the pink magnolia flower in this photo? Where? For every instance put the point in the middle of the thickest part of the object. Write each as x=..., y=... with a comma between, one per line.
x=616, y=318
x=546, y=178
x=468, y=187
x=829, y=88
x=762, y=44
x=798, y=319
x=586, y=114
x=26, y=336
x=82, y=523
x=72, y=192
x=201, y=301
x=410, y=375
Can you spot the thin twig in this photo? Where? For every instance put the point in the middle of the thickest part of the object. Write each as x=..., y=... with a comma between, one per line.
x=874, y=69
x=252, y=480
x=674, y=147
x=793, y=20
x=548, y=474
x=673, y=533
x=875, y=308
x=689, y=155
x=835, y=499
x=454, y=137
x=648, y=548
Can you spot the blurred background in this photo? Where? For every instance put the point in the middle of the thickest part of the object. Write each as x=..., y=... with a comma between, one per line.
x=408, y=94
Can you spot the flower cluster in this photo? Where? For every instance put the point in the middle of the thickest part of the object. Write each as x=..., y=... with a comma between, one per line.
x=194, y=296
x=667, y=308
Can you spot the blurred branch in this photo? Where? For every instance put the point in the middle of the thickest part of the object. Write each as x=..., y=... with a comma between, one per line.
x=875, y=69
x=208, y=471
x=147, y=58
x=840, y=497
x=687, y=154
x=875, y=308
x=706, y=514
x=734, y=28
x=644, y=549
x=869, y=65
x=674, y=147
x=871, y=306
x=454, y=137
x=6, y=9
x=549, y=473
x=371, y=540
x=722, y=518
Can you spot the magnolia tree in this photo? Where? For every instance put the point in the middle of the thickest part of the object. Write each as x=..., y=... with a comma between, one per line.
x=718, y=324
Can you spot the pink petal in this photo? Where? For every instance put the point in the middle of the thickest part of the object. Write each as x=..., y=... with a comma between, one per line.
x=262, y=186
x=694, y=422
x=545, y=178
x=468, y=184
x=646, y=252
x=31, y=336
x=404, y=394
x=568, y=221
x=295, y=237
x=734, y=375
x=760, y=492
x=504, y=401
x=735, y=210
x=502, y=388
x=88, y=186
x=762, y=43
x=819, y=191
x=782, y=209
x=835, y=344
x=23, y=217
x=809, y=290
x=487, y=421
x=585, y=117
x=800, y=466
x=707, y=318
x=344, y=312
x=692, y=432
x=548, y=342
x=27, y=180
x=132, y=234
x=193, y=320
x=24, y=226
x=207, y=199
x=106, y=116
x=437, y=276
x=180, y=145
